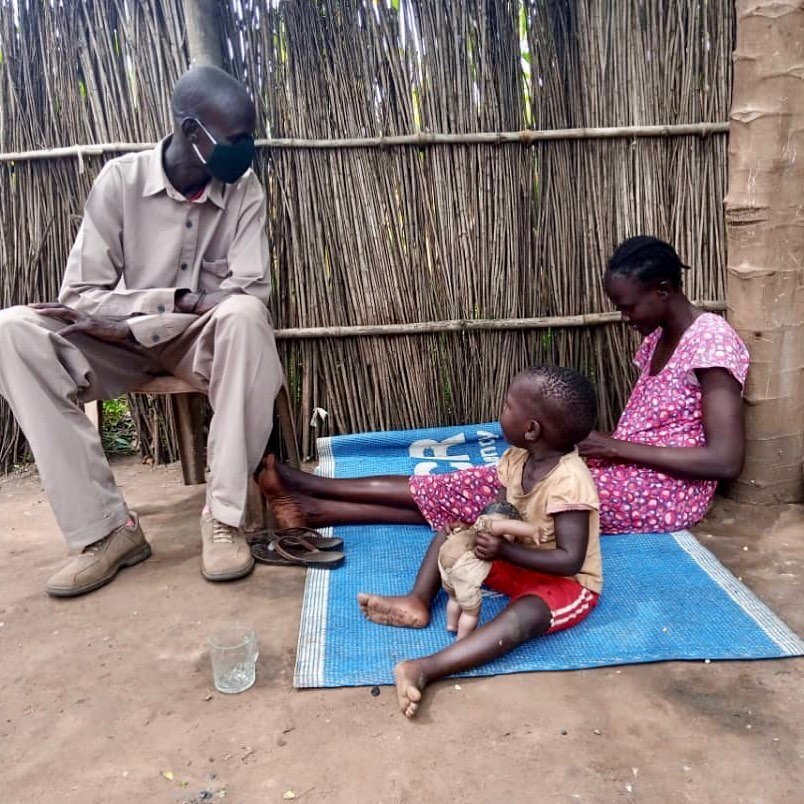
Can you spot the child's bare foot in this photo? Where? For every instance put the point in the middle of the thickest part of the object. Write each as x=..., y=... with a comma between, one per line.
x=410, y=683
x=466, y=624
x=453, y=615
x=285, y=507
x=405, y=611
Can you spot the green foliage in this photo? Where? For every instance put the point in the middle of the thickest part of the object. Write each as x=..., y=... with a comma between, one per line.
x=119, y=433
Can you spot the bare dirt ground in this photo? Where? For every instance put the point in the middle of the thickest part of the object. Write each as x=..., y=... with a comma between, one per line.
x=108, y=697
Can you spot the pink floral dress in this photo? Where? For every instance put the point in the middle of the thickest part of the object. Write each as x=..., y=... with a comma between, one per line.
x=663, y=411
x=666, y=411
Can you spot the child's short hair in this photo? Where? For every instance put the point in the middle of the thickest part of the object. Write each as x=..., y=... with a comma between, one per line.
x=502, y=509
x=567, y=399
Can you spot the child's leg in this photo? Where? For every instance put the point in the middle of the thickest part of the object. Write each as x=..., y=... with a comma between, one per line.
x=522, y=620
x=413, y=609
x=467, y=622
x=453, y=614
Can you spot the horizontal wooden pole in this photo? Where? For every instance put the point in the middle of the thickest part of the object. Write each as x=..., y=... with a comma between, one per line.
x=466, y=325
x=420, y=140
x=79, y=151
x=525, y=137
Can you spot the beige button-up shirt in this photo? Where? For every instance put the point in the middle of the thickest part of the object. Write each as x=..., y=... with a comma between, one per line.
x=141, y=240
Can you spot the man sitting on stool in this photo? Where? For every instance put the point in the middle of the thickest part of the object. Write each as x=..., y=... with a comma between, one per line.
x=183, y=226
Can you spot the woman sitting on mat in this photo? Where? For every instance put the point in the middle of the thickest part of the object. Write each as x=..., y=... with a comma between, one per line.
x=681, y=430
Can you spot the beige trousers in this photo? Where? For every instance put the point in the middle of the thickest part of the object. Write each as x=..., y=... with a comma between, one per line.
x=229, y=354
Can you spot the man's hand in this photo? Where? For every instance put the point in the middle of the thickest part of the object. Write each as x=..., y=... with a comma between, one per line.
x=200, y=302
x=104, y=329
x=489, y=547
x=597, y=445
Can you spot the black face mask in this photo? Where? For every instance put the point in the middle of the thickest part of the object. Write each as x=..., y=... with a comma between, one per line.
x=227, y=162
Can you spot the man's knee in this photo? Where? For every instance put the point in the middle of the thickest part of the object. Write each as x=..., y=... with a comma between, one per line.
x=242, y=309
x=14, y=322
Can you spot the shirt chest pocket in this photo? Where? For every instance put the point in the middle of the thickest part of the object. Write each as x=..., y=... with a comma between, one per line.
x=212, y=274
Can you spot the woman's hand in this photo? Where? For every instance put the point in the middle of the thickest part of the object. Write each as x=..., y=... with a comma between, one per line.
x=598, y=445
x=489, y=547
x=720, y=459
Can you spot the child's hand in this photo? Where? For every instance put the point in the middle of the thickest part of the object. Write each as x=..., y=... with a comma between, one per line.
x=488, y=547
x=451, y=527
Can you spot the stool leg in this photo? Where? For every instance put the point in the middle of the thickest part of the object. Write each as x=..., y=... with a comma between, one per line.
x=187, y=416
x=94, y=412
x=255, y=519
x=287, y=426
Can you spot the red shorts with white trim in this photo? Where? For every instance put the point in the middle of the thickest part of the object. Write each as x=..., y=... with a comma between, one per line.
x=569, y=602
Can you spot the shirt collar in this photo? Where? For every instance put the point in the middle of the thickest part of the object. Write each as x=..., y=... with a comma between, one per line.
x=157, y=182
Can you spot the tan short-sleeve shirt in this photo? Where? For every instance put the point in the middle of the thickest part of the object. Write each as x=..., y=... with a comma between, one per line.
x=568, y=487
x=140, y=240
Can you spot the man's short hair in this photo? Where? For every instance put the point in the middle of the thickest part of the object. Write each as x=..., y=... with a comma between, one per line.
x=205, y=89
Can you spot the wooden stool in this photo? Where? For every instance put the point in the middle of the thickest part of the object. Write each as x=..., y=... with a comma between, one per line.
x=188, y=415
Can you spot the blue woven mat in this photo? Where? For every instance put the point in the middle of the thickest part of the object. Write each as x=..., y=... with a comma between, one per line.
x=665, y=597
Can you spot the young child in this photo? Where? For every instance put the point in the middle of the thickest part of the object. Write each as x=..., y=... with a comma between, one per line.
x=553, y=583
x=463, y=573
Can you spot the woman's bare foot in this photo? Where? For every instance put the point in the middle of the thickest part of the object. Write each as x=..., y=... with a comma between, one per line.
x=292, y=479
x=453, y=615
x=410, y=683
x=466, y=624
x=405, y=611
x=286, y=509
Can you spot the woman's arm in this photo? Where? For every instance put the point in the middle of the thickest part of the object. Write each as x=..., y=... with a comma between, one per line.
x=724, y=430
x=572, y=538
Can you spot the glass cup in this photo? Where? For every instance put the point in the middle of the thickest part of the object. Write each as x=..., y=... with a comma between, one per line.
x=233, y=651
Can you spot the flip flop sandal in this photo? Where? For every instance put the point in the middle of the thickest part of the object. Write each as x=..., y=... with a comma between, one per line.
x=312, y=537
x=294, y=552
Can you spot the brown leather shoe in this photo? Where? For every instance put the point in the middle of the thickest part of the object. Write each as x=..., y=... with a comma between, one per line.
x=225, y=554
x=100, y=562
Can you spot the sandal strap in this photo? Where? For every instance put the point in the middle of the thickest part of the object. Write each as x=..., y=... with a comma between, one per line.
x=299, y=532
x=279, y=550
x=280, y=545
x=298, y=541
x=268, y=535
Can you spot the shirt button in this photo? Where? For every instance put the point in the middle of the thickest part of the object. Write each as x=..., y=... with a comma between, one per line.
x=161, y=308
x=189, y=224
x=155, y=338
x=183, y=266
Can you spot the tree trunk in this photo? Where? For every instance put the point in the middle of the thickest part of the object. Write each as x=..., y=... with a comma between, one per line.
x=765, y=229
x=202, y=19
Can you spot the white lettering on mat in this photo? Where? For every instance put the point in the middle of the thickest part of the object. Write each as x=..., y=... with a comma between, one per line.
x=431, y=453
